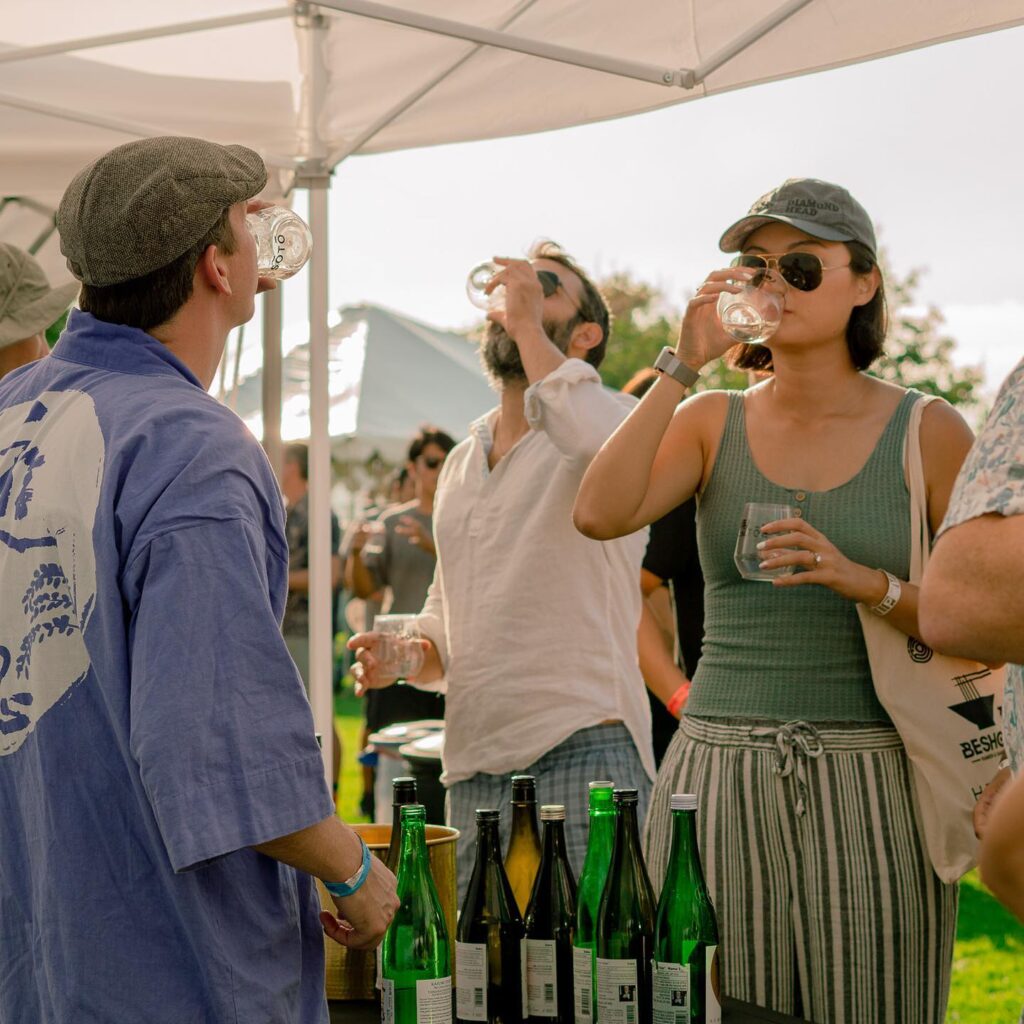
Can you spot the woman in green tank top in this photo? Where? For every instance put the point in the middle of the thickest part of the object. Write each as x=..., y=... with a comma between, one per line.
x=828, y=904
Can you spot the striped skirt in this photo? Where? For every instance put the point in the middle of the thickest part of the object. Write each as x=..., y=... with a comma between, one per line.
x=826, y=899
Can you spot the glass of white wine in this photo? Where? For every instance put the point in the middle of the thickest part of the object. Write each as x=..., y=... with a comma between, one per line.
x=753, y=314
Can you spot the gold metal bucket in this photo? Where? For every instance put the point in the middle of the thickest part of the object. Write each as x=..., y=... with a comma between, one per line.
x=352, y=973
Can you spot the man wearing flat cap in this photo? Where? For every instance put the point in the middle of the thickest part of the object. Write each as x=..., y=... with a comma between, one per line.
x=160, y=782
x=28, y=305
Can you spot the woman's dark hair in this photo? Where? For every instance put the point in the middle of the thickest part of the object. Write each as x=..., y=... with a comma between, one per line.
x=430, y=435
x=147, y=302
x=865, y=330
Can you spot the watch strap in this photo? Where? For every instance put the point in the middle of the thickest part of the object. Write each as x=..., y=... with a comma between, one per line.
x=668, y=363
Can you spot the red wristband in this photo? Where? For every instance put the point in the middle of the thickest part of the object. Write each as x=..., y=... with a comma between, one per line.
x=678, y=699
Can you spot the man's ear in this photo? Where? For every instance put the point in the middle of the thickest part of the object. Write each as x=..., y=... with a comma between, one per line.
x=213, y=269
x=586, y=336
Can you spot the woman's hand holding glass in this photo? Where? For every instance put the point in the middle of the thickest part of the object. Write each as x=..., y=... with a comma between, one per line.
x=701, y=336
x=818, y=561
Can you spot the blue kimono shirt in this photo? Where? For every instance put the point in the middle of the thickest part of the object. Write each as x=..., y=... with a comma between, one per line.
x=152, y=724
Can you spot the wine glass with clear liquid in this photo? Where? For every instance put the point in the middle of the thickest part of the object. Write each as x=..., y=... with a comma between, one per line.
x=476, y=284
x=753, y=314
x=283, y=241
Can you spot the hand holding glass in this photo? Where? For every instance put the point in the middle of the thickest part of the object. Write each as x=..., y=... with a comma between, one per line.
x=399, y=653
x=753, y=314
x=748, y=558
x=283, y=241
x=480, y=277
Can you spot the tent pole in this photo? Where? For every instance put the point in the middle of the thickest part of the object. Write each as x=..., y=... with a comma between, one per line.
x=113, y=38
x=273, y=366
x=311, y=29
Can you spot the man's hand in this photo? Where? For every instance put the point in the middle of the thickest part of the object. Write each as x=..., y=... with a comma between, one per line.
x=987, y=800
x=363, y=917
x=412, y=528
x=366, y=670
x=524, y=298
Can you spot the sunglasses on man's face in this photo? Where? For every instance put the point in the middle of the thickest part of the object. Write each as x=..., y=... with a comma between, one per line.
x=432, y=461
x=550, y=282
x=802, y=270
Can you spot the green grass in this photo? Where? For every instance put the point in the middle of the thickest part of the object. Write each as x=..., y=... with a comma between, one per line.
x=988, y=958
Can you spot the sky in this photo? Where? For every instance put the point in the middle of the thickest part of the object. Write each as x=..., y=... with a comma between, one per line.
x=930, y=142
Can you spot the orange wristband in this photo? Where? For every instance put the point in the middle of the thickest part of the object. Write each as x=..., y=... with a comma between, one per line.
x=678, y=699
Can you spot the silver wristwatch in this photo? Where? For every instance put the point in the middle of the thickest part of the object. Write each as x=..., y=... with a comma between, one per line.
x=667, y=363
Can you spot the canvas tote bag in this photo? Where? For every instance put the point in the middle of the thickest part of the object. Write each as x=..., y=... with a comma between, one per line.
x=945, y=709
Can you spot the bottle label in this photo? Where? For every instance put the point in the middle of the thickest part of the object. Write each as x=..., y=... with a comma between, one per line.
x=618, y=992
x=522, y=974
x=712, y=987
x=387, y=1001
x=434, y=1000
x=471, y=980
x=670, y=993
x=583, y=984
x=378, y=956
x=541, y=978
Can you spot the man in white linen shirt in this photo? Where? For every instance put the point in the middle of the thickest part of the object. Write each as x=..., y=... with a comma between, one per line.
x=530, y=627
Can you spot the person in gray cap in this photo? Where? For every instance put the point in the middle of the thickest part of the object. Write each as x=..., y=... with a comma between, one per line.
x=818, y=871
x=161, y=788
x=28, y=305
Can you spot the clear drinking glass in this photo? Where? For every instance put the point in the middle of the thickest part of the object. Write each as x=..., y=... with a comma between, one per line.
x=283, y=241
x=753, y=314
x=479, y=278
x=399, y=653
x=747, y=557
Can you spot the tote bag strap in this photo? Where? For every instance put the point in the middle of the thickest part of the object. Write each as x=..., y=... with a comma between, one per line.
x=913, y=468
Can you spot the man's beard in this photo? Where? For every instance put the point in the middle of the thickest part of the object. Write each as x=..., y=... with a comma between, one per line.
x=500, y=354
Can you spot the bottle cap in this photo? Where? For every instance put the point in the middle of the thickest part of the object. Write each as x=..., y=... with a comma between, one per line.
x=601, y=785
x=403, y=790
x=552, y=812
x=684, y=801
x=414, y=812
x=524, y=787
x=626, y=796
x=488, y=814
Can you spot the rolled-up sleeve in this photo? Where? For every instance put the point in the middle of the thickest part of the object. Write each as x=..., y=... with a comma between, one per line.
x=576, y=411
x=220, y=726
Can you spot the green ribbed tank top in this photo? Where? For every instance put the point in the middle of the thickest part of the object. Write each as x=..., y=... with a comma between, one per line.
x=795, y=654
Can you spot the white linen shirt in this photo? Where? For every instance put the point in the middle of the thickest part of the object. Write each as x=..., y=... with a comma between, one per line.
x=534, y=623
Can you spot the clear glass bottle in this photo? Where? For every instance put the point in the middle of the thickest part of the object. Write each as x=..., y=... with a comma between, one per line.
x=416, y=959
x=489, y=951
x=685, y=977
x=600, y=841
x=550, y=926
x=625, y=925
x=523, y=857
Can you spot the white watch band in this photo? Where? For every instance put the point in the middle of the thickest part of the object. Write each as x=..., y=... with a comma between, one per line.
x=892, y=595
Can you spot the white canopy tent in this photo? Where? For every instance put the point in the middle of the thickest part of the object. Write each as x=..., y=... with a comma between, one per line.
x=309, y=85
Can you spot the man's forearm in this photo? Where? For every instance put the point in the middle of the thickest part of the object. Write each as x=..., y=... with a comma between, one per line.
x=1002, y=855
x=330, y=850
x=363, y=584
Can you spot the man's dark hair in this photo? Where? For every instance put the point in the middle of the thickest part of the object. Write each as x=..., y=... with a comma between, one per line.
x=149, y=301
x=299, y=454
x=430, y=435
x=865, y=330
x=593, y=308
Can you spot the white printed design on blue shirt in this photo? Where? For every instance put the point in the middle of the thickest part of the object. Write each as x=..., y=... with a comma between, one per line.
x=51, y=465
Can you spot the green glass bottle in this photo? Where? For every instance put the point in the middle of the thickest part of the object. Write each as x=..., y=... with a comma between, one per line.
x=685, y=971
x=416, y=987
x=625, y=925
x=489, y=951
x=523, y=857
x=403, y=791
x=600, y=840
x=550, y=926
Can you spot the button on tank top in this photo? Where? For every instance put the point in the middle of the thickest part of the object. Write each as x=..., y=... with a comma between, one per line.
x=796, y=653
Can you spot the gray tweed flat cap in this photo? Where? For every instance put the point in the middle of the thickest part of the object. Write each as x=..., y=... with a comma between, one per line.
x=28, y=304
x=140, y=206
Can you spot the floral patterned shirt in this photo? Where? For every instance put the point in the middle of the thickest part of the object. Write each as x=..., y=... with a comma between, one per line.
x=992, y=480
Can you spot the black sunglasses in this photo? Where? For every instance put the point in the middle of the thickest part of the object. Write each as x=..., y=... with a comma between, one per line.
x=550, y=282
x=802, y=270
x=432, y=461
